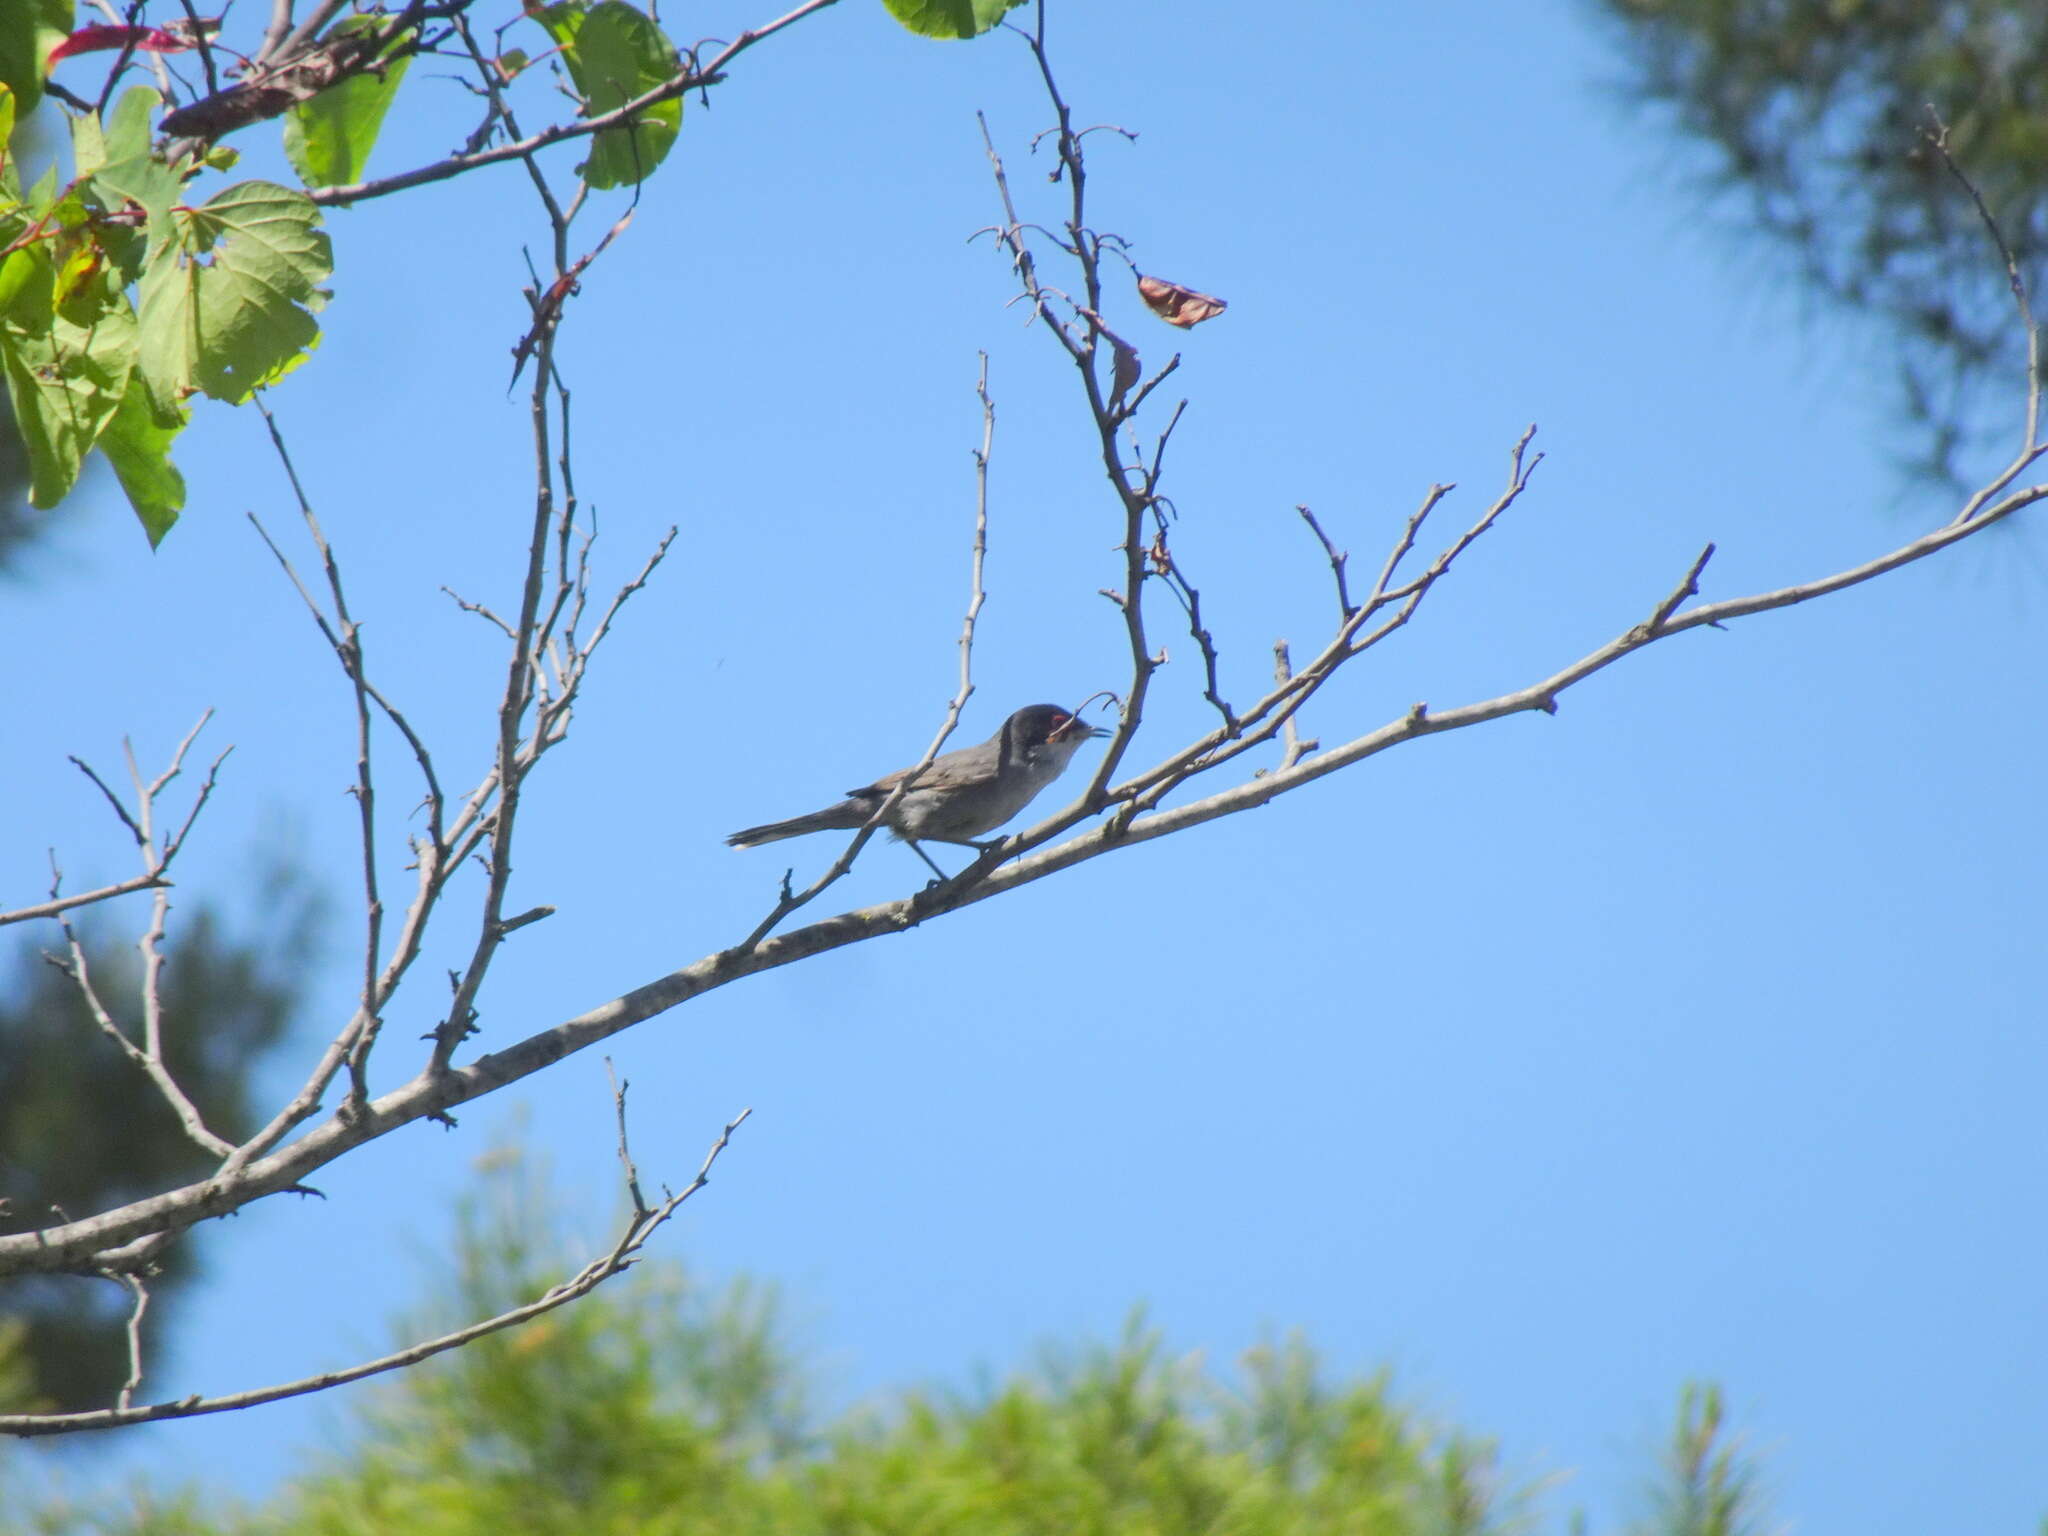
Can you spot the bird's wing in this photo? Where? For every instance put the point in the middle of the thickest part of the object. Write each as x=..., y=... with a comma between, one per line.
x=955, y=770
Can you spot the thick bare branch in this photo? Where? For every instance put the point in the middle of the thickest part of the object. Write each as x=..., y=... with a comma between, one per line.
x=81, y=1246
x=58, y=904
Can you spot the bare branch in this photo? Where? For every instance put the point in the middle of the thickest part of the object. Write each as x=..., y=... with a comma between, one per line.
x=279, y=29
x=1688, y=587
x=1338, y=558
x=201, y=40
x=480, y=611
x=147, y=1056
x=511, y=764
x=139, y=1294
x=113, y=799
x=85, y=1245
x=1080, y=343
x=640, y=1207
x=624, y=1253
x=1293, y=746
x=346, y=640
x=2031, y=446
x=59, y=904
x=678, y=85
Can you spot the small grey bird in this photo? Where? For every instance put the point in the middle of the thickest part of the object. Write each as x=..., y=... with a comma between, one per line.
x=962, y=794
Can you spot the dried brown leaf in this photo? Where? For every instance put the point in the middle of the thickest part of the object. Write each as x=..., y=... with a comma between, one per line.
x=1177, y=305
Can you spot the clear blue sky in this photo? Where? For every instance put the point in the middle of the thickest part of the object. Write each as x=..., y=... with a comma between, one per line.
x=1694, y=1032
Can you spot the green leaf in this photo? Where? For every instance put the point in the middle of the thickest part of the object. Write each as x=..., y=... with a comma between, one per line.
x=328, y=138
x=616, y=53
x=127, y=128
x=137, y=442
x=66, y=372
x=27, y=279
x=124, y=136
x=29, y=29
x=149, y=184
x=42, y=197
x=88, y=144
x=241, y=319
x=950, y=18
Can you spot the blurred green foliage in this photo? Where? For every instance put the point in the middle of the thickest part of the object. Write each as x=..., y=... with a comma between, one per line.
x=1816, y=112
x=661, y=1407
x=84, y=1130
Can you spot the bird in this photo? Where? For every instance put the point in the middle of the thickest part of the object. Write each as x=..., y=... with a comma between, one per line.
x=962, y=794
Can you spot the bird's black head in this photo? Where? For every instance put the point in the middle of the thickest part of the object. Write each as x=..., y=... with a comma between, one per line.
x=1037, y=724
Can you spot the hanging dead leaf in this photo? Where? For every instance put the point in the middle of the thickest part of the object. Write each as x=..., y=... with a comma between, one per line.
x=1177, y=305
x=1126, y=370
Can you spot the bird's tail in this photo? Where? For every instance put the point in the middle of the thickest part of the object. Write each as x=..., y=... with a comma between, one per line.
x=847, y=816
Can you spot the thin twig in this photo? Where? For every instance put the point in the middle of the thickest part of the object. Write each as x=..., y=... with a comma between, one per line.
x=2031, y=446
x=1688, y=587
x=139, y=1294
x=345, y=636
x=147, y=1057
x=1293, y=745
x=790, y=900
x=640, y=1206
x=1337, y=558
x=202, y=42
x=113, y=799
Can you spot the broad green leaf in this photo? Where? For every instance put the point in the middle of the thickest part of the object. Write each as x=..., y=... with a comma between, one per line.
x=42, y=197
x=241, y=319
x=7, y=133
x=66, y=373
x=328, y=138
x=29, y=29
x=950, y=18
x=88, y=144
x=127, y=126
x=123, y=136
x=153, y=187
x=614, y=54
x=137, y=442
x=27, y=281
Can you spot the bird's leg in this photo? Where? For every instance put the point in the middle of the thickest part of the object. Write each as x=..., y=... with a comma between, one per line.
x=912, y=844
